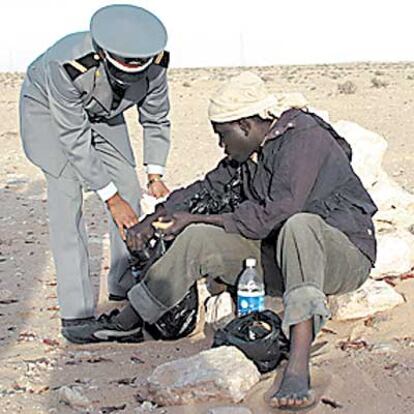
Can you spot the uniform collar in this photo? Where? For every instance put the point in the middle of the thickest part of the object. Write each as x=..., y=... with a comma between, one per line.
x=284, y=123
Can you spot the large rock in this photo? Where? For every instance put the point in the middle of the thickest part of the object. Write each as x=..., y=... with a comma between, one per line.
x=395, y=254
x=387, y=221
x=368, y=151
x=388, y=194
x=222, y=374
x=373, y=296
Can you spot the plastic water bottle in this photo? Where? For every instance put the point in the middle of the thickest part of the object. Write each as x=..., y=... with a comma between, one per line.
x=250, y=290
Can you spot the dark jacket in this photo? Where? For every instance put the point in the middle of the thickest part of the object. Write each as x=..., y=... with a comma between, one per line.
x=300, y=168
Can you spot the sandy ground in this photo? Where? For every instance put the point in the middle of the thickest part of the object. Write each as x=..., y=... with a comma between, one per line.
x=365, y=366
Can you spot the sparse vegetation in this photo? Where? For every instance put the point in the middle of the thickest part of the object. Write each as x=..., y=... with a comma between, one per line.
x=378, y=83
x=347, y=87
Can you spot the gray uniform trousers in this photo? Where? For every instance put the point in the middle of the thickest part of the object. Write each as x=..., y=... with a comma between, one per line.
x=315, y=260
x=69, y=242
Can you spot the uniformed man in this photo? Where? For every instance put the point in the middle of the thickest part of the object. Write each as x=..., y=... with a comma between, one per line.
x=73, y=128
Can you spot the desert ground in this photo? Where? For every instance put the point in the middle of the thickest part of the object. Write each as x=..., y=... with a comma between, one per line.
x=359, y=367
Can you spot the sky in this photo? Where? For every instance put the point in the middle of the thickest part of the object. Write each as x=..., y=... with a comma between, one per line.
x=229, y=32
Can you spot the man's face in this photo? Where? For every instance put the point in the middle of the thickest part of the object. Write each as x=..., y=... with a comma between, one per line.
x=125, y=71
x=238, y=139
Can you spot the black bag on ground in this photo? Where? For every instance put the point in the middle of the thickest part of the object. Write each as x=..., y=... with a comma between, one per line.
x=178, y=321
x=259, y=336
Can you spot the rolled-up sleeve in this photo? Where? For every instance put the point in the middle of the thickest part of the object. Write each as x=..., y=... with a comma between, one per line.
x=294, y=174
x=74, y=128
x=153, y=116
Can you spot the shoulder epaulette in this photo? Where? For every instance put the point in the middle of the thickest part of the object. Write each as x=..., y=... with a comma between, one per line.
x=162, y=59
x=74, y=68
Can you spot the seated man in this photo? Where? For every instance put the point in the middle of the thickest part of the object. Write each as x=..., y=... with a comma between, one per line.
x=284, y=194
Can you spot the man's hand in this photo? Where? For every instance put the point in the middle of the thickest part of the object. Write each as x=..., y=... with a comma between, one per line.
x=156, y=186
x=139, y=234
x=122, y=213
x=180, y=220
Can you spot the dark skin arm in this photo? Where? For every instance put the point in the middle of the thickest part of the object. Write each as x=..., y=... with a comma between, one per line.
x=138, y=235
x=180, y=220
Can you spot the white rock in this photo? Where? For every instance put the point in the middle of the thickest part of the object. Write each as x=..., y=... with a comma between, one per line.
x=219, y=310
x=320, y=112
x=222, y=374
x=146, y=407
x=395, y=254
x=368, y=150
x=73, y=396
x=388, y=194
x=373, y=296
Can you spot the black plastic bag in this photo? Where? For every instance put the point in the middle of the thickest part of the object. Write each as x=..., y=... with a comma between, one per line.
x=259, y=336
x=178, y=321
x=181, y=319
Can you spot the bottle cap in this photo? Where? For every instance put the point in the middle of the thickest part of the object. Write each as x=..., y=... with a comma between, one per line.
x=250, y=262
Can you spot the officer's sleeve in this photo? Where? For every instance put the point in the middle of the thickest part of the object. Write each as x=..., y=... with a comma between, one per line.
x=73, y=127
x=153, y=116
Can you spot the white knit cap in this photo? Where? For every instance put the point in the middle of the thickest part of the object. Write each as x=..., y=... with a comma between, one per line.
x=246, y=95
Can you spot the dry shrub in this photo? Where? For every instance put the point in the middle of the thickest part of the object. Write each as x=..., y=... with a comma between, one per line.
x=378, y=83
x=347, y=88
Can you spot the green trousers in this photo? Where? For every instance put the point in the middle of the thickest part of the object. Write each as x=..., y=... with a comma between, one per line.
x=314, y=259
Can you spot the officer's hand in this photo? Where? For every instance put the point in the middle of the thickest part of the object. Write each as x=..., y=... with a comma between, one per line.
x=122, y=213
x=156, y=186
x=139, y=234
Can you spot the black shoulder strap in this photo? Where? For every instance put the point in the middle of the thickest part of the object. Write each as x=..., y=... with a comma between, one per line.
x=76, y=67
x=162, y=59
x=343, y=143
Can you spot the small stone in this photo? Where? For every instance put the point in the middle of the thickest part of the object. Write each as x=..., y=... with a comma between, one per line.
x=229, y=410
x=73, y=396
x=17, y=181
x=219, y=374
x=146, y=407
x=383, y=348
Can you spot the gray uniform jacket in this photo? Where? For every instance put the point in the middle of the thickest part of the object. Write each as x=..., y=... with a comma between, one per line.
x=66, y=98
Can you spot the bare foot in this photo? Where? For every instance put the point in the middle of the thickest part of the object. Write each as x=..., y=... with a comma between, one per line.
x=294, y=392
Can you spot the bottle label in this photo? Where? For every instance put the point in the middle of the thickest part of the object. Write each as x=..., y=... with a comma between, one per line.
x=248, y=303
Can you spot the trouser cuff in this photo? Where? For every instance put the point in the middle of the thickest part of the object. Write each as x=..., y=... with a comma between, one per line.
x=303, y=302
x=145, y=304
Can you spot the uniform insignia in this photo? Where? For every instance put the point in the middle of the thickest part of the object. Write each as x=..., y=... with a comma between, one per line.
x=162, y=59
x=74, y=68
